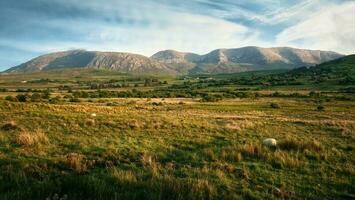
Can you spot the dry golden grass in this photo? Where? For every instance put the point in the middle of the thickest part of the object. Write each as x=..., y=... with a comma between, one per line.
x=293, y=144
x=34, y=138
x=75, y=162
x=238, y=157
x=90, y=122
x=191, y=151
x=240, y=125
x=282, y=159
x=252, y=150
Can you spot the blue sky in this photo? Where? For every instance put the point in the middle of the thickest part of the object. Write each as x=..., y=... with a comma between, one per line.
x=29, y=28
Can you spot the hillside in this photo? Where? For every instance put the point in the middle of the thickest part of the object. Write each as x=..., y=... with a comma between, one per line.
x=341, y=70
x=181, y=62
x=122, y=62
x=248, y=59
x=173, y=62
x=337, y=72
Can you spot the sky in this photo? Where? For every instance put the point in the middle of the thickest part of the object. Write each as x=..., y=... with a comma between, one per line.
x=29, y=28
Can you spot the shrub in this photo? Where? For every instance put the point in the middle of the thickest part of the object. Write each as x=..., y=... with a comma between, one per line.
x=274, y=105
x=10, y=98
x=46, y=94
x=35, y=97
x=21, y=98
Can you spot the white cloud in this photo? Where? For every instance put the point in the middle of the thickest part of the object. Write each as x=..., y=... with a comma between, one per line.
x=142, y=31
x=299, y=11
x=329, y=29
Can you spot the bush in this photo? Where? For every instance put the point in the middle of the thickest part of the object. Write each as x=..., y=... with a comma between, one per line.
x=35, y=97
x=21, y=98
x=274, y=105
x=10, y=98
x=46, y=94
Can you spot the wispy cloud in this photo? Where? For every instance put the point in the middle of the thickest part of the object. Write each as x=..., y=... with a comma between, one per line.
x=331, y=28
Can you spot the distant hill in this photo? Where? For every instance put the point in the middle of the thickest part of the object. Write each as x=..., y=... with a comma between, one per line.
x=246, y=59
x=174, y=62
x=341, y=70
x=336, y=72
x=122, y=62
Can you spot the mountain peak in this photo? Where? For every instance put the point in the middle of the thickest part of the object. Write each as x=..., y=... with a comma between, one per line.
x=173, y=56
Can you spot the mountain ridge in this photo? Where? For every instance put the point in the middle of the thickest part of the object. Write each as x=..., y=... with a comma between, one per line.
x=173, y=62
x=119, y=61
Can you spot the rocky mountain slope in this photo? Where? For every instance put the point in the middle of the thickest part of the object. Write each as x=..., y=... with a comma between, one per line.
x=123, y=62
x=174, y=62
x=247, y=59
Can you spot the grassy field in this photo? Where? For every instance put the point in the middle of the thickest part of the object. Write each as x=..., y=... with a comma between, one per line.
x=176, y=148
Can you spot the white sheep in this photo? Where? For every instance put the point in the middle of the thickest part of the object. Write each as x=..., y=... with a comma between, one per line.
x=270, y=142
x=93, y=115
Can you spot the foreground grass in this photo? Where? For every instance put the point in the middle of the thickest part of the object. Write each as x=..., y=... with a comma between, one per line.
x=182, y=149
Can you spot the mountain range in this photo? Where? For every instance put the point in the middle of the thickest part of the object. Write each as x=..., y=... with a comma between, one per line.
x=174, y=62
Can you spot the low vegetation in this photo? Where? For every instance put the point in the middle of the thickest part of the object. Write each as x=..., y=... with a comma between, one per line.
x=138, y=150
x=173, y=138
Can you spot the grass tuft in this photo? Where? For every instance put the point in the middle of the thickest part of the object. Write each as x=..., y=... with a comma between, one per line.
x=252, y=150
x=296, y=145
x=75, y=162
x=282, y=160
x=29, y=139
